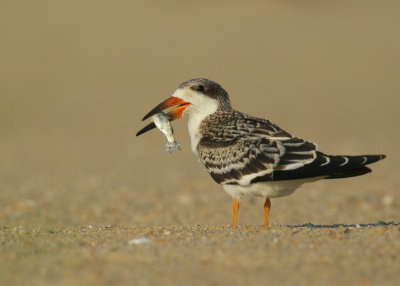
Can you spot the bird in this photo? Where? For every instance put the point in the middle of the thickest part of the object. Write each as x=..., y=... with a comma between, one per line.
x=248, y=155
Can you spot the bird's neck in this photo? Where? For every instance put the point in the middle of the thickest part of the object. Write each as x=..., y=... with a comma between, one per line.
x=196, y=117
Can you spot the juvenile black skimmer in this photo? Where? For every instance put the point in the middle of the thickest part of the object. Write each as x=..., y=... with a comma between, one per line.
x=249, y=155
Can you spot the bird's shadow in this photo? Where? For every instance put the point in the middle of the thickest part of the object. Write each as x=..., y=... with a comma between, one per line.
x=358, y=225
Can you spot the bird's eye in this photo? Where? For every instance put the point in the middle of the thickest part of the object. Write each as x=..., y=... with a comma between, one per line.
x=200, y=87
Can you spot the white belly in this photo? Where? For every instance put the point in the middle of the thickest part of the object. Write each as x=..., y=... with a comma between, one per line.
x=266, y=189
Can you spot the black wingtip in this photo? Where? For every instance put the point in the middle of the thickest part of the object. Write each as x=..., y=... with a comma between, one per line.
x=148, y=127
x=350, y=173
x=374, y=158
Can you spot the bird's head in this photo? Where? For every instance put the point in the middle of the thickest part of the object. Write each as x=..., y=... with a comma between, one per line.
x=196, y=96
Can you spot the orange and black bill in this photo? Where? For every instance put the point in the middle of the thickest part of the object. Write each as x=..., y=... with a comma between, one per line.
x=148, y=127
x=175, y=113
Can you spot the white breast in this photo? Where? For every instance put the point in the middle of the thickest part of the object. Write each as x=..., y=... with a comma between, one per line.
x=196, y=116
x=273, y=189
x=194, y=131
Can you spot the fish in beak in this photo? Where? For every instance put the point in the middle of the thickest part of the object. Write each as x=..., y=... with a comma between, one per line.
x=175, y=113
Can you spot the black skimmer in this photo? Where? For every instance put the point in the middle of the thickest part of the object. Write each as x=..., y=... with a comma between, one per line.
x=249, y=155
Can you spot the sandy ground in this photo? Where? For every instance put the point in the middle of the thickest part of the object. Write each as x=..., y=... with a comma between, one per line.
x=199, y=255
x=85, y=202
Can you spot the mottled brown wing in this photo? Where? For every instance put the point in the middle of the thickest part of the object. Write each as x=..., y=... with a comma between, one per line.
x=244, y=148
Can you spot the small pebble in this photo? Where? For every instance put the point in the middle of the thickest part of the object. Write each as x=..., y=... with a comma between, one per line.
x=387, y=200
x=139, y=241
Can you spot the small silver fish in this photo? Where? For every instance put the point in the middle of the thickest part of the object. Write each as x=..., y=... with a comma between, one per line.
x=161, y=120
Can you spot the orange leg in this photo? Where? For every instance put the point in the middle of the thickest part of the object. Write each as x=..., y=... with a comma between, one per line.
x=267, y=208
x=236, y=205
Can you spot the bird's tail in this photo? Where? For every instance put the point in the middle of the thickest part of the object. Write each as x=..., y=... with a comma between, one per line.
x=348, y=166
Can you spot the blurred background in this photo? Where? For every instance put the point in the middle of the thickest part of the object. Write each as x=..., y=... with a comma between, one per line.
x=76, y=78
